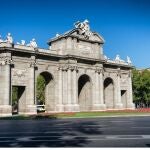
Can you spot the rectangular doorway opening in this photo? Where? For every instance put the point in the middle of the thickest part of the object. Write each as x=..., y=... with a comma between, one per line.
x=124, y=98
x=18, y=98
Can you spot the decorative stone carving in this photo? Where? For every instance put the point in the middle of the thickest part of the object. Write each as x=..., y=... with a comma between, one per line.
x=84, y=28
x=118, y=59
x=72, y=67
x=9, y=38
x=32, y=43
x=1, y=40
x=105, y=57
x=124, y=78
x=33, y=64
x=6, y=61
x=99, y=70
x=57, y=35
x=129, y=60
x=22, y=42
x=119, y=73
x=66, y=67
x=19, y=72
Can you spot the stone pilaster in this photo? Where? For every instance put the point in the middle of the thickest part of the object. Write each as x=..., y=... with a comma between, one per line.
x=64, y=78
x=30, y=104
x=69, y=85
x=71, y=82
x=5, y=87
x=60, y=106
x=67, y=81
x=67, y=94
x=117, y=96
x=75, y=90
x=130, y=104
x=101, y=83
x=99, y=98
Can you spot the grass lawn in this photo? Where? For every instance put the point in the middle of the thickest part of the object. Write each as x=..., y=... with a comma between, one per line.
x=100, y=114
x=112, y=113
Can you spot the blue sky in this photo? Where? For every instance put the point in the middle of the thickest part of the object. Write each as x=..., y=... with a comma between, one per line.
x=124, y=24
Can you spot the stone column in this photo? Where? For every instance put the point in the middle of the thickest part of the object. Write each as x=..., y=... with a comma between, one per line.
x=96, y=100
x=97, y=90
x=69, y=74
x=71, y=82
x=99, y=99
x=5, y=89
x=75, y=90
x=118, y=103
x=60, y=106
x=130, y=104
x=64, y=90
x=68, y=106
x=101, y=83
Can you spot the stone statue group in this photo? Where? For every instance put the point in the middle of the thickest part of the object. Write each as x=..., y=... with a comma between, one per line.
x=119, y=60
x=84, y=28
x=9, y=39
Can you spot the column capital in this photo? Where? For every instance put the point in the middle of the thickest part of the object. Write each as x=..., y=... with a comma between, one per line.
x=6, y=61
x=99, y=70
x=119, y=73
x=68, y=67
x=59, y=68
x=130, y=73
x=32, y=65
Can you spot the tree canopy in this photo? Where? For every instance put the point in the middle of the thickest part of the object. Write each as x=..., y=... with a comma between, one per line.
x=141, y=86
x=40, y=89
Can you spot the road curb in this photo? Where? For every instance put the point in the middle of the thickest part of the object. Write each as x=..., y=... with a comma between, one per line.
x=105, y=116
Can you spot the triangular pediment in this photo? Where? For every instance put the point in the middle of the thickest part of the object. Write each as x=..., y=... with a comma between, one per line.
x=94, y=36
x=81, y=32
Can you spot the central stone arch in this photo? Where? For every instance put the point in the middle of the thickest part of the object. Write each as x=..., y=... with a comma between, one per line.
x=109, y=93
x=85, y=93
x=49, y=91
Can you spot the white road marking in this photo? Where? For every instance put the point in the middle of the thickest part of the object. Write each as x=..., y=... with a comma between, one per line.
x=25, y=139
x=121, y=121
x=140, y=127
x=93, y=125
x=70, y=137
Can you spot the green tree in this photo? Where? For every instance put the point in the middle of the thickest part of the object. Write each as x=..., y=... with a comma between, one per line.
x=14, y=95
x=145, y=86
x=40, y=89
x=141, y=86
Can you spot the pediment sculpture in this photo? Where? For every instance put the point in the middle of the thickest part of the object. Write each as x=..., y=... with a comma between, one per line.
x=84, y=28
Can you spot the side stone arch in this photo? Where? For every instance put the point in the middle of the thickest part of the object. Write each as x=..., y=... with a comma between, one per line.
x=49, y=90
x=85, y=92
x=109, y=93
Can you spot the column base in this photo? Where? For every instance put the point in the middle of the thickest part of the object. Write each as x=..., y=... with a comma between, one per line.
x=119, y=106
x=97, y=107
x=5, y=110
x=71, y=108
x=130, y=106
x=28, y=110
x=60, y=108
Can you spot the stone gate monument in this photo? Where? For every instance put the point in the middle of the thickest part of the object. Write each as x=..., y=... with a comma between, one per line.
x=79, y=77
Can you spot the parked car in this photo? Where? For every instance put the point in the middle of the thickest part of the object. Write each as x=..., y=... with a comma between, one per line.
x=40, y=108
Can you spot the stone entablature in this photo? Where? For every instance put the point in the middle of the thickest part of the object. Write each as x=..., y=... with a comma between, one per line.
x=79, y=77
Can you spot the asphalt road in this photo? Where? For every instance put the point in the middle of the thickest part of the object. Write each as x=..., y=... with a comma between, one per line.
x=95, y=132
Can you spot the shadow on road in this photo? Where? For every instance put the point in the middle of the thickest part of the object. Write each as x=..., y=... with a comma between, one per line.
x=147, y=145
x=49, y=133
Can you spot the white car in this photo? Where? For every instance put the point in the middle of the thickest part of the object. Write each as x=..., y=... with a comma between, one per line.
x=40, y=108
